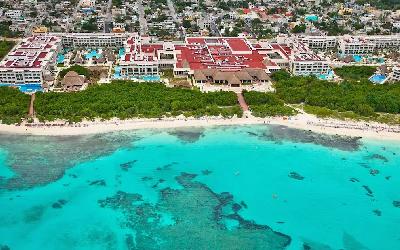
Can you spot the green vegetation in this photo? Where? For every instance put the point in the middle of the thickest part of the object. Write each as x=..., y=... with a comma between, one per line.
x=13, y=105
x=5, y=47
x=124, y=99
x=267, y=104
x=5, y=30
x=328, y=113
x=355, y=73
x=90, y=25
x=117, y=3
x=78, y=69
x=382, y=4
x=361, y=97
x=300, y=28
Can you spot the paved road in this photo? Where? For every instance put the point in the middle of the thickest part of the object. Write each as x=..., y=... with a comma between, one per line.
x=175, y=18
x=73, y=17
x=142, y=19
x=108, y=19
x=172, y=11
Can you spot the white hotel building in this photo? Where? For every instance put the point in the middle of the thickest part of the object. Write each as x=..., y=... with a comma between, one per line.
x=363, y=45
x=319, y=42
x=396, y=73
x=93, y=40
x=30, y=60
x=139, y=59
x=355, y=45
x=303, y=61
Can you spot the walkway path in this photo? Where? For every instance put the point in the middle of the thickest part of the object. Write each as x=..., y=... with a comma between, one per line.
x=31, y=109
x=142, y=18
x=242, y=102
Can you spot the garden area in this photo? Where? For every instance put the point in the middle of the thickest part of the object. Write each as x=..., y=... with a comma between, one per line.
x=359, y=97
x=125, y=99
x=13, y=105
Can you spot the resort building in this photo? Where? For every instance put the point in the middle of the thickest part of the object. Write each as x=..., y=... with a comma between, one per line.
x=363, y=45
x=93, y=40
x=72, y=81
x=139, y=60
x=222, y=53
x=385, y=42
x=396, y=73
x=30, y=60
x=318, y=42
x=232, y=79
x=226, y=55
x=303, y=61
x=351, y=45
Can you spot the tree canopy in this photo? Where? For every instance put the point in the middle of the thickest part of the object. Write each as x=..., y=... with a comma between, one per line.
x=124, y=99
x=13, y=105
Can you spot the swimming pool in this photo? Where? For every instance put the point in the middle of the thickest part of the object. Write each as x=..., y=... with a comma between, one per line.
x=146, y=78
x=121, y=52
x=26, y=88
x=117, y=72
x=312, y=18
x=151, y=78
x=93, y=54
x=60, y=58
x=378, y=78
x=357, y=58
x=327, y=76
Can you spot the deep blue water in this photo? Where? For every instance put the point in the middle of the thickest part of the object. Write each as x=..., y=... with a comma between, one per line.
x=249, y=187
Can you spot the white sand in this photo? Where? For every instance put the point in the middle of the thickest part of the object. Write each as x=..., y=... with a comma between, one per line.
x=304, y=122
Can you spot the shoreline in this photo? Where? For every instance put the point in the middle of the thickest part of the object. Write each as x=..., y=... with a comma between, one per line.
x=302, y=122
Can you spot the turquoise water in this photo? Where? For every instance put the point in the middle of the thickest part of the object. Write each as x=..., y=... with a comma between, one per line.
x=117, y=73
x=312, y=18
x=248, y=187
x=121, y=52
x=26, y=88
x=92, y=54
x=147, y=78
x=357, y=58
x=60, y=58
x=328, y=76
x=377, y=78
x=151, y=78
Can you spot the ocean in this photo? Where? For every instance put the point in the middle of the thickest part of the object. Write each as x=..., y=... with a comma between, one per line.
x=227, y=187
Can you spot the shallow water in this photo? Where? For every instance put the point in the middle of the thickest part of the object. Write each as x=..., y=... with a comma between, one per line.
x=246, y=187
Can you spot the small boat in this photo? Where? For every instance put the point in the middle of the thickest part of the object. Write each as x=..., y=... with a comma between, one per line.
x=237, y=173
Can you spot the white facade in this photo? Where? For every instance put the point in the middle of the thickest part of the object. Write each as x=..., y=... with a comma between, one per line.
x=304, y=61
x=319, y=42
x=396, y=74
x=385, y=42
x=309, y=67
x=93, y=40
x=362, y=45
x=30, y=60
x=138, y=61
x=14, y=14
x=349, y=45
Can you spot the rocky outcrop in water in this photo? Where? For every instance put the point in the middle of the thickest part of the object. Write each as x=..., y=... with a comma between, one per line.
x=195, y=202
x=296, y=176
x=281, y=133
x=39, y=160
x=188, y=135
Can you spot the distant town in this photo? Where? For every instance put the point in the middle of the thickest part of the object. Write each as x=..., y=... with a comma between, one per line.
x=213, y=45
x=208, y=46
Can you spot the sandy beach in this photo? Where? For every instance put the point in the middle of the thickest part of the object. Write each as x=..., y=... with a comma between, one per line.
x=302, y=121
